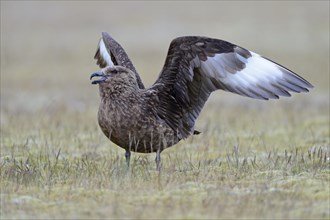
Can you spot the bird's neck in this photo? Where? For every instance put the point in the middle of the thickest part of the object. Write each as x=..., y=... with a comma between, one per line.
x=118, y=92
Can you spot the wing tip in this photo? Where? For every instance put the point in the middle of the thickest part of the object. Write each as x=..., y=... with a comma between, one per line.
x=303, y=83
x=105, y=34
x=309, y=85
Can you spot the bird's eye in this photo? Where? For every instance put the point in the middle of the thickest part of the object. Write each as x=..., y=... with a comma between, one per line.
x=114, y=71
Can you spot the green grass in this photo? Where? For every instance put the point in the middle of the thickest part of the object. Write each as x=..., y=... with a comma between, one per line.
x=253, y=159
x=56, y=168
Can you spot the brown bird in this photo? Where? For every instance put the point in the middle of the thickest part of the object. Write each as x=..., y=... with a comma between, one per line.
x=152, y=119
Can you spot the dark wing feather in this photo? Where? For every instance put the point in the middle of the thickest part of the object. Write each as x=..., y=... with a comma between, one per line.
x=196, y=66
x=109, y=52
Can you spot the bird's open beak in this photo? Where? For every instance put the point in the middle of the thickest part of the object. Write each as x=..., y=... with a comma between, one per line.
x=100, y=80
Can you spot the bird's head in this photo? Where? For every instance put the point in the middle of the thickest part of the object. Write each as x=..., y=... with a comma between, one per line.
x=115, y=78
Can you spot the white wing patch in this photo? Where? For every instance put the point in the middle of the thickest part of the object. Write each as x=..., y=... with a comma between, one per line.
x=104, y=53
x=255, y=76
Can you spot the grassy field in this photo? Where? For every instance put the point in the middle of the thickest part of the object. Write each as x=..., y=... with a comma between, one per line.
x=254, y=159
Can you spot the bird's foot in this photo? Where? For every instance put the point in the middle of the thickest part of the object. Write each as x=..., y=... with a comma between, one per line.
x=158, y=160
x=128, y=157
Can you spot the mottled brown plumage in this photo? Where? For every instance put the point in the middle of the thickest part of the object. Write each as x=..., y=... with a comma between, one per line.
x=128, y=115
x=152, y=119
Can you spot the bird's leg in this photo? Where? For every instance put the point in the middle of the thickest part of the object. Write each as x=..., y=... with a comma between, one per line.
x=128, y=157
x=158, y=159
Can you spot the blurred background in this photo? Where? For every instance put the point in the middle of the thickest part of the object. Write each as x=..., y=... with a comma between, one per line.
x=47, y=48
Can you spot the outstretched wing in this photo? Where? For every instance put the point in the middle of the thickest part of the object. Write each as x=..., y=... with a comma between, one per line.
x=109, y=53
x=196, y=66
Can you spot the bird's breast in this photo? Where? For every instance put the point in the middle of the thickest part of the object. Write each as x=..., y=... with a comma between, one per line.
x=131, y=127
